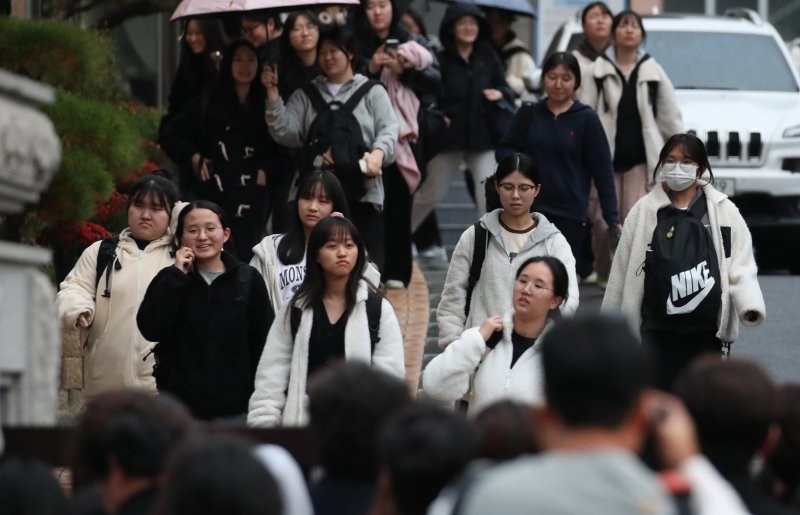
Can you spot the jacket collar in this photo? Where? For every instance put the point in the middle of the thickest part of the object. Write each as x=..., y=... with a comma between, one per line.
x=660, y=198
x=321, y=83
x=544, y=228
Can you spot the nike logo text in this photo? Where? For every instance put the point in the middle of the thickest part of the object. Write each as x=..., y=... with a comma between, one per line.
x=695, y=280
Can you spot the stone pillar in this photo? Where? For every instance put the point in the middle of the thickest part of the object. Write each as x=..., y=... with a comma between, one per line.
x=30, y=153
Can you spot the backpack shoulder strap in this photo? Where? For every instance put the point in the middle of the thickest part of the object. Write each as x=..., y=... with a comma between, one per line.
x=699, y=208
x=315, y=97
x=356, y=97
x=478, y=256
x=374, y=307
x=106, y=257
x=652, y=95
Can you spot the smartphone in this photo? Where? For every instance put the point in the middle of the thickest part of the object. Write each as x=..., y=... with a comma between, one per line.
x=390, y=46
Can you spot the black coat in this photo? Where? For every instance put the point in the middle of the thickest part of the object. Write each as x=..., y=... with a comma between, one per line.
x=236, y=140
x=463, y=81
x=212, y=334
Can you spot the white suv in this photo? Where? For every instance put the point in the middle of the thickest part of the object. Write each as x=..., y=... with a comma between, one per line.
x=738, y=91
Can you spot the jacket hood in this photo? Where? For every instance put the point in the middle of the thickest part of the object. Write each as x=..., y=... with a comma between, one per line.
x=266, y=247
x=576, y=107
x=455, y=11
x=544, y=228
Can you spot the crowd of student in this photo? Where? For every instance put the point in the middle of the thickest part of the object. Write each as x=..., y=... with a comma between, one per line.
x=312, y=154
x=602, y=441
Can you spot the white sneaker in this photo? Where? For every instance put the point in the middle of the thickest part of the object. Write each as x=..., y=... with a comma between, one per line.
x=394, y=284
x=434, y=252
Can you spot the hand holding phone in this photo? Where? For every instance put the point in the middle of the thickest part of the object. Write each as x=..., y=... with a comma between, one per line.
x=390, y=47
x=184, y=259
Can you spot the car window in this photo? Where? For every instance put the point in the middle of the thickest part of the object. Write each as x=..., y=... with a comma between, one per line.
x=719, y=60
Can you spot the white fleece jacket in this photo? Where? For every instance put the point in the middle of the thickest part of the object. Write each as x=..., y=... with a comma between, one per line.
x=115, y=350
x=280, y=397
x=467, y=366
x=655, y=131
x=492, y=294
x=738, y=273
x=265, y=260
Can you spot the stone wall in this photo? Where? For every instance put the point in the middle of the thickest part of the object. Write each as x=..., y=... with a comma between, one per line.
x=30, y=152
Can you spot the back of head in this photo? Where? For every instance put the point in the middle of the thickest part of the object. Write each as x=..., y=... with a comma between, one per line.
x=348, y=405
x=29, y=488
x=424, y=447
x=783, y=463
x=506, y=430
x=136, y=429
x=594, y=371
x=218, y=474
x=733, y=403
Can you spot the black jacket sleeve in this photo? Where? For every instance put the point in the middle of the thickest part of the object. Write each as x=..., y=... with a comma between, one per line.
x=181, y=136
x=161, y=303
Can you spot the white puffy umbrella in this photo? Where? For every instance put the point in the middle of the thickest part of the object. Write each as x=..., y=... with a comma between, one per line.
x=210, y=7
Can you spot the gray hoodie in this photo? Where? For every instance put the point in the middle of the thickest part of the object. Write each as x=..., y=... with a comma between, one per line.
x=492, y=294
x=288, y=124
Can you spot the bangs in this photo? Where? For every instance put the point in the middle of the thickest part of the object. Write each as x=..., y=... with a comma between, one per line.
x=150, y=192
x=340, y=232
x=314, y=189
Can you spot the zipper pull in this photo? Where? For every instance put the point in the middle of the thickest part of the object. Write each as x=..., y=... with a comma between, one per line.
x=671, y=232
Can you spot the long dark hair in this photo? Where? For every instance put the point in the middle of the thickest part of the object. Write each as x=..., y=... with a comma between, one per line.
x=289, y=63
x=214, y=208
x=199, y=67
x=223, y=98
x=692, y=146
x=313, y=287
x=560, y=279
x=292, y=246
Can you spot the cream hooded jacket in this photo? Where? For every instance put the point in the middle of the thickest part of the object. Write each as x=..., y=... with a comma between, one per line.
x=280, y=397
x=467, y=367
x=655, y=131
x=116, y=355
x=492, y=294
x=115, y=350
x=740, y=289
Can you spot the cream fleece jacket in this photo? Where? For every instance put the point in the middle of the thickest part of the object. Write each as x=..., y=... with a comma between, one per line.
x=280, y=397
x=739, y=274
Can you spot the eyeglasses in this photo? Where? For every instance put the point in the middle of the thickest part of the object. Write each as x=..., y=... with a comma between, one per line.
x=192, y=233
x=535, y=286
x=523, y=189
x=303, y=28
x=686, y=166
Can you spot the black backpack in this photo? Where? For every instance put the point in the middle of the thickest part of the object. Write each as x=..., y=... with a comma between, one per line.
x=682, y=290
x=106, y=258
x=374, y=305
x=478, y=256
x=337, y=131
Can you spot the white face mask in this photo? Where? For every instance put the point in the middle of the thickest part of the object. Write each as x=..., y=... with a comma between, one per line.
x=679, y=176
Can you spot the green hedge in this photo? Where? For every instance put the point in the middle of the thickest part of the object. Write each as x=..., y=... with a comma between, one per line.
x=60, y=54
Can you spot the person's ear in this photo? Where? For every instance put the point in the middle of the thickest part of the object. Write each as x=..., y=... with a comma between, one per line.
x=537, y=190
x=226, y=232
x=556, y=302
